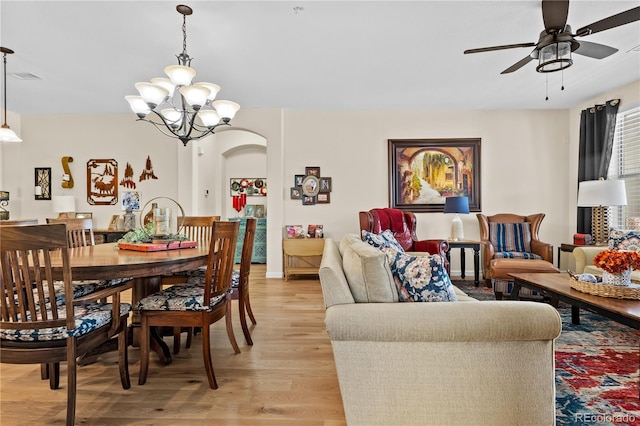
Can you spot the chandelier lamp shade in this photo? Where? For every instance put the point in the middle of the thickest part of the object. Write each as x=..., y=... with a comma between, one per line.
x=6, y=134
x=457, y=205
x=176, y=105
x=599, y=195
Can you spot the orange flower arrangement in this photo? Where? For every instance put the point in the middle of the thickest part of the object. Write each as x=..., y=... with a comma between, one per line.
x=617, y=261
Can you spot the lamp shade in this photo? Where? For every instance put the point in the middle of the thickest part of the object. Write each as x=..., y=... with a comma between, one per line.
x=64, y=203
x=596, y=193
x=456, y=205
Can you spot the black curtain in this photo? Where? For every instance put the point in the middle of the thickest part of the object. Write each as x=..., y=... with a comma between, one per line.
x=597, y=127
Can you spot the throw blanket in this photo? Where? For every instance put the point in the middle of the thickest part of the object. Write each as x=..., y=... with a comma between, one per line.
x=391, y=219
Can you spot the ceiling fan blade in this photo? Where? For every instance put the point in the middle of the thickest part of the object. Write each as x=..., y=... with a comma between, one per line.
x=524, y=61
x=505, y=46
x=613, y=21
x=554, y=14
x=595, y=50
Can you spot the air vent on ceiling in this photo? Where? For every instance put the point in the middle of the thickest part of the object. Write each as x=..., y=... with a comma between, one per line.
x=25, y=76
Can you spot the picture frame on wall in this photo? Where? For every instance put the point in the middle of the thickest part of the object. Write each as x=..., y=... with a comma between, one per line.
x=325, y=184
x=260, y=211
x=424, y=172
x=312, y=171
x=297, y=180
x=296, y=193
x=42, y=183
x=249, y=210
x=323, y=198
x=308, y=200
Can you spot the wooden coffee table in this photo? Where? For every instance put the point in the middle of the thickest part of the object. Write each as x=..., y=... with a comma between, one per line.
x=556, y=286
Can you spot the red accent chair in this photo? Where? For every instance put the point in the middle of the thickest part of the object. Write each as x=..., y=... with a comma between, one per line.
x=403, y=226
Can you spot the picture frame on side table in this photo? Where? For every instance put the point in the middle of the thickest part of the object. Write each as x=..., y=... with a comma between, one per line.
x=113, y=223
x=424, y=172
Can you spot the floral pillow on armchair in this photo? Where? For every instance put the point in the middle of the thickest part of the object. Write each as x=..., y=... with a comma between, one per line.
x=624, y=240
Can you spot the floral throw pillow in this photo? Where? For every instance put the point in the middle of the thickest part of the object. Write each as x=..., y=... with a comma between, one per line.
x=420, y=278
x=383, y=240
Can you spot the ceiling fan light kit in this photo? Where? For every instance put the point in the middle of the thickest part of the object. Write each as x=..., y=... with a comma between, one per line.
x=178, y=107
x=6, y=134
x=556, y=43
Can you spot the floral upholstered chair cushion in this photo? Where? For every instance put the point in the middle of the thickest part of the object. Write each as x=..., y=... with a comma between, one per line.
x=182, y=297
x=87, y=318
x=420, y=278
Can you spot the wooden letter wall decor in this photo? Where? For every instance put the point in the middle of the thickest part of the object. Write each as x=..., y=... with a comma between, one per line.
x=67, y=178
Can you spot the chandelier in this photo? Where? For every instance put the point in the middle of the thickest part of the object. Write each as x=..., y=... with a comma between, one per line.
x=6, y=134
x=178, y=107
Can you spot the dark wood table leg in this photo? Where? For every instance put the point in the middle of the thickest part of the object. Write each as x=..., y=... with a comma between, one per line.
x=575, y=315
x=143, y=287
x=515, y=291
x=476, y=266
x=462, y=261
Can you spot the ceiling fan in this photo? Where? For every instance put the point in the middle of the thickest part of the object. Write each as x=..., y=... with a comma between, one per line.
x=556, y=43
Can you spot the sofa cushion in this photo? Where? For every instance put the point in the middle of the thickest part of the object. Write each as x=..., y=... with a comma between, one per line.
x=420, y=278
x=624, y=240
x=384, y=239
x=510, y=237
x=367, y=271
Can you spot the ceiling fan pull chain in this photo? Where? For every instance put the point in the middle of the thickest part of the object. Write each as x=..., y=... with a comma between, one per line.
x=546, y=89
x=562, y=76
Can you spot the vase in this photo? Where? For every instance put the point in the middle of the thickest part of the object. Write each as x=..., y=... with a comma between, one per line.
x=623, y=279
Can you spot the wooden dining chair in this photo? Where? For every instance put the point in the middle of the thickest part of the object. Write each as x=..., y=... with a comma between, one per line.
x=34, y=329
x=18, y=222
x=193, y=305
x=240, y=287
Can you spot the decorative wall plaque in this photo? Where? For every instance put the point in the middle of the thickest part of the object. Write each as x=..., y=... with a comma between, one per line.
x=102, y=182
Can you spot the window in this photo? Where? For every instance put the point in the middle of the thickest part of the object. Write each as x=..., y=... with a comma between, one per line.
x=625, y=164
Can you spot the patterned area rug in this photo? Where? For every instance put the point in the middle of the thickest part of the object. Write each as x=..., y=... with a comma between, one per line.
x=597, y=363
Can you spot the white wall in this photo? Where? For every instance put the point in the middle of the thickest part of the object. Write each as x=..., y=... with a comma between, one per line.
x=528, y=163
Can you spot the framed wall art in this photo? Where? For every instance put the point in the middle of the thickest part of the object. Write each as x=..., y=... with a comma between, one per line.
x=102, y=182
x=250, y=186
x=42, y=189
x=423, y=172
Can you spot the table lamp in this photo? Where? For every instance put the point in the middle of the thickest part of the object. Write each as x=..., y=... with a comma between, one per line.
x=599, y=195
x=64, y=204
x=456, y=205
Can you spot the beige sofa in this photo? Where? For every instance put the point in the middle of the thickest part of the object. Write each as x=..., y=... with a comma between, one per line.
x=453, y=363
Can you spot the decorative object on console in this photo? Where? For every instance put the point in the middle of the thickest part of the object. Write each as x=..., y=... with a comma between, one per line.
x=6, y=134
x=63, y=205
x=102, y=182
x=249, y=210
x=295, y=231
x=4, y=202
x=42, y=189
x=315, y=231
x=239, y=201
x=187, y=111
x=599, y=195
x=423, y=172
x=582, y=239
x=67, y=178
x=162, y=227
x=456, y=205
x=249, y=186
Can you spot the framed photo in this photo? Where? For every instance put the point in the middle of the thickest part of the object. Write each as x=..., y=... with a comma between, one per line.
x=297, y=181
x=260, y=211
x=323, y=198
x=312, y=171
x=253, y=187
x=113, y=223
x=131, y=200
x=42, y=183
x=296, y=193
x=325, y=184
x=308, y=200
x=424, y=172
x=310, y=186
x=249, y=210
x=84, y=215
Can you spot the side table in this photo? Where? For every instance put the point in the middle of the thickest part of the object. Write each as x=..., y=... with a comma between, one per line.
x=463, y=244
x=308, y=253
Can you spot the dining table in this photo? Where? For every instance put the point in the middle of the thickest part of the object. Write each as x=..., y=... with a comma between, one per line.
x=108, y=261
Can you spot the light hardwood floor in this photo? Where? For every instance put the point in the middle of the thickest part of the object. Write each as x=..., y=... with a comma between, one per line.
x=287, y=378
